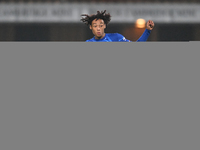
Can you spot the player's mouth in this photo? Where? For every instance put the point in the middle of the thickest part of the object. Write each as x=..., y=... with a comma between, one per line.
x=98, y=33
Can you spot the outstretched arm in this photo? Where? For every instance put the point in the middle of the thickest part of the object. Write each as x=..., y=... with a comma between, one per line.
x=145, y=35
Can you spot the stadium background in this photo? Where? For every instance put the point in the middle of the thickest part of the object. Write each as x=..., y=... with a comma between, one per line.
x=77, y=31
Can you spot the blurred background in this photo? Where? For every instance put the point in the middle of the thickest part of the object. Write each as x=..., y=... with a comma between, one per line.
x=59, y=20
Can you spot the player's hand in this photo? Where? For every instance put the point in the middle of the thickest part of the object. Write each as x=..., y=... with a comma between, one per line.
x=150, y=25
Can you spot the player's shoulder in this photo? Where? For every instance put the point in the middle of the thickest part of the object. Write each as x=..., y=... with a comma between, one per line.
x=117, y=37
x=89, y=40
x=114, y=36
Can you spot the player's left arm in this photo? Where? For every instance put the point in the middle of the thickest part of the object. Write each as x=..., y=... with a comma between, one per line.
x=149, y=27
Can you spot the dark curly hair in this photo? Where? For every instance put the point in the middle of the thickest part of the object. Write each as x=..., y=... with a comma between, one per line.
x=100, y=15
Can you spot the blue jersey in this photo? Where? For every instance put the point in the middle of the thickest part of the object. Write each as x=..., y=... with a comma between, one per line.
x=116, y=37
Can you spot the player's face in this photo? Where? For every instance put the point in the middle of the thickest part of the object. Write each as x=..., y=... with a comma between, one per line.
x=98, y=28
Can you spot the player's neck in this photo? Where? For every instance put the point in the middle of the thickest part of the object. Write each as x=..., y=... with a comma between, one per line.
x=98, y=38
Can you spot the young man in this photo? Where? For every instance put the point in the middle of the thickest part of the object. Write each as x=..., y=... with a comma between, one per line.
x=98, y=23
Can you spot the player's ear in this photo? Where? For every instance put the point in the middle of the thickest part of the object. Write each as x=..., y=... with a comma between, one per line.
x=91, y=27
x=104, y=26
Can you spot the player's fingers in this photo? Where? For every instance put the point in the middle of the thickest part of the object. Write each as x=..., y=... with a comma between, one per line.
x=152, y=23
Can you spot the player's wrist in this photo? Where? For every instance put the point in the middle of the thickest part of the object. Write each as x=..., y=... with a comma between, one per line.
x=148, y=29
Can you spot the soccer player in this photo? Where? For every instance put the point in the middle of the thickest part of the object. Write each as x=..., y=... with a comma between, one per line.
x=98, y=22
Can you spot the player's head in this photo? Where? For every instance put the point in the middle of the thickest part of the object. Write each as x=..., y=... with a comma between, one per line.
x=97, y=22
